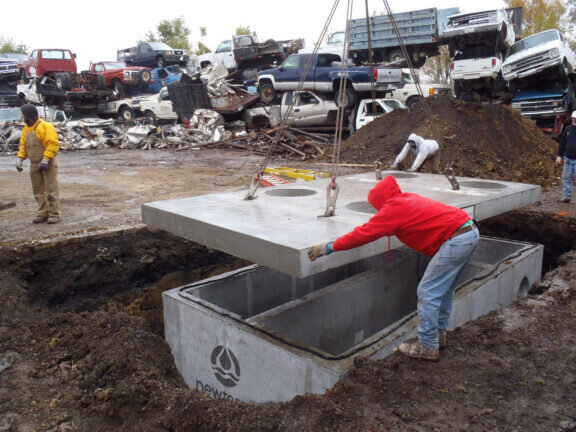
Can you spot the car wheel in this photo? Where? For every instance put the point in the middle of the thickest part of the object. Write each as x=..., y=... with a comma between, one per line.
x=117, y=88
x=395, y=55
x=500, y=37
x=160, y=62
x=63, y=81
x=151, y=118
x=412, y=101
x=267, y=93
x=563, y=71
x=347, y=99
x=144, y=76
x=126, y=113
x=452, y=47
x=24, y=76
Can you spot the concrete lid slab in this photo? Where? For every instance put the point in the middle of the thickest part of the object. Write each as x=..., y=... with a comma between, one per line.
x=277, y=228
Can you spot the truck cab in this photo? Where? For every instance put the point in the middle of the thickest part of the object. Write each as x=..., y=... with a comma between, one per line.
x=409, y=93
x=487, y=28
x=545, y=53
x=47, y=62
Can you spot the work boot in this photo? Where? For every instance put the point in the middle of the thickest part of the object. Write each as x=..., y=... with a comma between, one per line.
x=442, y=339
x=414, y=349
x=53, y=219
x=40, y=219
x=564, y=200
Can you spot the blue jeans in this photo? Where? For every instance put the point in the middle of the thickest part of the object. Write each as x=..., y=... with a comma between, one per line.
x=568, y=172
x=436, y=289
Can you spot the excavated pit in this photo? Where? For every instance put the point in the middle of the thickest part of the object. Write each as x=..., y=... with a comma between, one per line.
x=130, y=269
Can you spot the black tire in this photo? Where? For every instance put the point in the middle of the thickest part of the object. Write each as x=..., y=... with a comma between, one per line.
x=117, y=88
x=499, y=83
x=452, y=47
x=500, y=41
x=151, y=118
x=267, y=92
x=144, y=76
x=63, y=81
x=563, y=71
x=24, y=76
x=100, y=82
x=126, y=113
x=412, y=101
x=160, y=62
x=348, y=99
x=395, y=55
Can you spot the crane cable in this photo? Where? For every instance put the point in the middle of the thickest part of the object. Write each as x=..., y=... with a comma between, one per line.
x=257, y=179
x=448, y=172
x=342, y=101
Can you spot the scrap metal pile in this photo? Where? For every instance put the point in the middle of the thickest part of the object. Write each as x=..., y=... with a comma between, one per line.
x=205, y=129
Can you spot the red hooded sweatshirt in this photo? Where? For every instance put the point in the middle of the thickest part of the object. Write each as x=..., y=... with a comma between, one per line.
x=418, y=222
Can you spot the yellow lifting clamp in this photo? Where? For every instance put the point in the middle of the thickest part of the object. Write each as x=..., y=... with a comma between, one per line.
x=297, y=173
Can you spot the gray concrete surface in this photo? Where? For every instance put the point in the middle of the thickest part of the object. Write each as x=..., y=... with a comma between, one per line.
x=278, y=227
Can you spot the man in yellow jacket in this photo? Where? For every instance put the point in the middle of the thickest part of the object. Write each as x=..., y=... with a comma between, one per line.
x=39, y=143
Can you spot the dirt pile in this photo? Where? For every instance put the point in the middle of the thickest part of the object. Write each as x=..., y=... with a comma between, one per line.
x=476, y=139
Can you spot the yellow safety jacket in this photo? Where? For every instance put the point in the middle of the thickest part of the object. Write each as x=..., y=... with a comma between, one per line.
x=47, y=135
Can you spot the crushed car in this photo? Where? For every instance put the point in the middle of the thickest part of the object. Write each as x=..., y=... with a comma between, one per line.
x=300, y=108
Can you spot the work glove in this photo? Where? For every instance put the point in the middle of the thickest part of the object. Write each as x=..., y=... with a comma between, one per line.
x=410, y=170
x=558, y=160
x=319, y=250
x=19, y=164
x=43, y=165
x=393, y=166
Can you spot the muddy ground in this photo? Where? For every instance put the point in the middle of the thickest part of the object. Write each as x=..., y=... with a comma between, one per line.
x=81, y=346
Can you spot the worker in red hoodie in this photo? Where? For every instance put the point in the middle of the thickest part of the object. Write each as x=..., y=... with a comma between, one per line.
x=445, y=233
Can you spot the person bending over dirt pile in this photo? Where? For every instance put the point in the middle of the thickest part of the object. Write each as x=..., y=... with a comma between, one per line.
x=422, y=150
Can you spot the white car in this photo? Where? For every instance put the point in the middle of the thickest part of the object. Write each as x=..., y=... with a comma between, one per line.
x=365, y=113
x=158, y=107
x=545, y=51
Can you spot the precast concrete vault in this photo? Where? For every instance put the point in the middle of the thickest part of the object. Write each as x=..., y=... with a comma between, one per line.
x=287, y=326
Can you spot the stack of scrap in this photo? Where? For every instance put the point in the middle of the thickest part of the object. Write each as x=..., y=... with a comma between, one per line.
x=291, y=143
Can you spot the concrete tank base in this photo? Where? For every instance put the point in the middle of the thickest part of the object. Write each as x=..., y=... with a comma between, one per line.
x=256, y=334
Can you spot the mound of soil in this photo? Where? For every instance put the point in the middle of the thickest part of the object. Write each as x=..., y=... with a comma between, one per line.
x=476, y=140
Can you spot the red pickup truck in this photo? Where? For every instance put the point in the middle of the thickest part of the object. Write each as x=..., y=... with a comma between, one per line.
x=118, y=76
x=59, y=65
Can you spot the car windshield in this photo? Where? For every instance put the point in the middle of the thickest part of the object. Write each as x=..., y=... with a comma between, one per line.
x=159, y=46
x=394, y=104
x=336, y=38
x=532, y=41
x=114, y=65
x=56, y=55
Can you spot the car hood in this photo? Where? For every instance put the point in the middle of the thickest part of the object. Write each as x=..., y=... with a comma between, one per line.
x=531, y=51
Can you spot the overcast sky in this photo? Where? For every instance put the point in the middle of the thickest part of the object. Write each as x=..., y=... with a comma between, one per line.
x=96, y=30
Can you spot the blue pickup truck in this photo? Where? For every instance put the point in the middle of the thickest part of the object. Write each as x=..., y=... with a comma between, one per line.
x=152, y=55
x=324, y=76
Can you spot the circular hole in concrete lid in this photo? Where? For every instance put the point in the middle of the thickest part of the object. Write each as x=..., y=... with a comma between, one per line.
x=361, y=207
x=403, y=175
x=290, y=192
x=483, y=185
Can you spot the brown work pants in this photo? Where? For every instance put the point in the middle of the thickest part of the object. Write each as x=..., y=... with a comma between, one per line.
x=44, y=183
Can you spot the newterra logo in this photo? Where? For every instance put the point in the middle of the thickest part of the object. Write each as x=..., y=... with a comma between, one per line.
x=226, y=370
x=225, y=366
